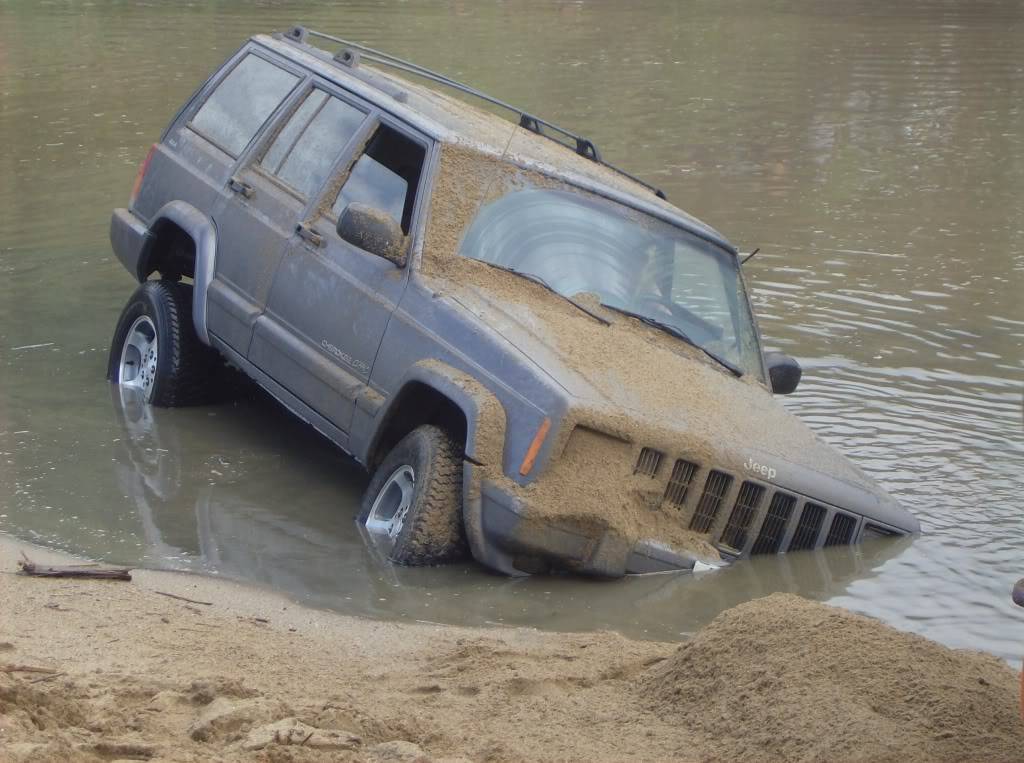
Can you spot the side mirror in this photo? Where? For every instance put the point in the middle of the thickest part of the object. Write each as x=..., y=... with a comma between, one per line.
x=783, y=372
x=373, y=231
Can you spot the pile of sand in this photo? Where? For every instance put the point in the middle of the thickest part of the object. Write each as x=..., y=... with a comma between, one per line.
x=120, y=672
x=782, y=678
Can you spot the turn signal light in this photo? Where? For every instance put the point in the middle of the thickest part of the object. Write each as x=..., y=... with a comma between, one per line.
x=534, y=449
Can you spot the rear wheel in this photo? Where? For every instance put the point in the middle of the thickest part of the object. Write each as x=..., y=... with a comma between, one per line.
x=156, y=353
x=413, y=505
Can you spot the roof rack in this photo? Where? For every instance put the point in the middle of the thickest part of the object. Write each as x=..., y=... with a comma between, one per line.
x=582, y=146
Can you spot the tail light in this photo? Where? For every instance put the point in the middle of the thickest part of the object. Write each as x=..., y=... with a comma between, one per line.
x=141, y=174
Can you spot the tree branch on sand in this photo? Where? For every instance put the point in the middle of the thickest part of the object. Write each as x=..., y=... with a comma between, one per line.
x=87, y=571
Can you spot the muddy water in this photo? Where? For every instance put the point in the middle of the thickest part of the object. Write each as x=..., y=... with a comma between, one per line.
x=874, y=153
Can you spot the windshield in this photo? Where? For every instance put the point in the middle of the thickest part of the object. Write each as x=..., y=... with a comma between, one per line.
x=632, y=262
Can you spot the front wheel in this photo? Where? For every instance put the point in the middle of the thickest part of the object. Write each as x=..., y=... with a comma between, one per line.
x=413, y=505
x=156, y=352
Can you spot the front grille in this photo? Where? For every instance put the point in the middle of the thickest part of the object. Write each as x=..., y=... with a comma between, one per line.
x=679, y=482
x=808, y=527
x=759, y=510
x=773, y=529
x=707, y=509
x=648, y=462
x=841, y=531
x=747, y=504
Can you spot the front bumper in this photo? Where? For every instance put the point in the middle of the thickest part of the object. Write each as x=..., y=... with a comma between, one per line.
x=508, y=539
x=128, y=237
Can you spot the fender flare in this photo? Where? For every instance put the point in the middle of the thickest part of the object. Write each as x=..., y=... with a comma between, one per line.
x=485, y=442
x=204, y=234
x=485, y=415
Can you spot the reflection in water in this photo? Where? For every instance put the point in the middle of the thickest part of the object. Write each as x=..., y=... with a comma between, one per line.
x=872, y=150
x=236, y=525
x=237, y=519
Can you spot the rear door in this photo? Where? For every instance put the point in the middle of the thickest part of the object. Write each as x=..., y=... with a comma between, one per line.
x=221, y=130
x=265, y=199
x=331, y=300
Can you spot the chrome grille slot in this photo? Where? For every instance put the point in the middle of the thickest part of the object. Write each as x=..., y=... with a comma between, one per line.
x=841, y=531
x=747, y=504
x=679, y=482
x=808, y=527
x=773, y=529
x=710, y=501
x=648, y=462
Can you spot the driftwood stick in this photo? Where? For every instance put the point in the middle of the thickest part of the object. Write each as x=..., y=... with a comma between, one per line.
x=47, y=677
x=28, y=567
x=184, y=598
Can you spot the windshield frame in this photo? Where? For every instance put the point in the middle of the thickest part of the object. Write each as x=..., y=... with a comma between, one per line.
x=762, y=375
x=634, y=210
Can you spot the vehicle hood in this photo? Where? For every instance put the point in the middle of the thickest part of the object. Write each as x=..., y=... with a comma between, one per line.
x=667, y=391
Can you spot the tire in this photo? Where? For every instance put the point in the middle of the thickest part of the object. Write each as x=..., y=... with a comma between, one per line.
x=175, y=370
x=412, y=507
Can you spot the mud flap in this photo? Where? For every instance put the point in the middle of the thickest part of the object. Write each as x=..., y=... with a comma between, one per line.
x=480, y=544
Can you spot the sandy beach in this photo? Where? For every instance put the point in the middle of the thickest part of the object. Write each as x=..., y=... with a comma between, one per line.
x=105, y=670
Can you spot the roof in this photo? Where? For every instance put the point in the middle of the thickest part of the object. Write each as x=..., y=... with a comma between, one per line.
x=449, y=119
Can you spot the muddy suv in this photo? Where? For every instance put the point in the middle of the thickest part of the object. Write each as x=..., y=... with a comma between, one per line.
x=541, y=361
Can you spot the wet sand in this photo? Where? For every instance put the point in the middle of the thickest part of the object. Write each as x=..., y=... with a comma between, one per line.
x=253, y=676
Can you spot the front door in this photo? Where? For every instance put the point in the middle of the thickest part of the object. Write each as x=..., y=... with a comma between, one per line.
x=264, y=201
x=331, y=300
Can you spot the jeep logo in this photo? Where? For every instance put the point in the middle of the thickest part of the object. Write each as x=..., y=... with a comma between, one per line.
x=763, y=470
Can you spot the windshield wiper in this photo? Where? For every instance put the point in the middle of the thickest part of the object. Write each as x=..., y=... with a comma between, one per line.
x=538, y=280
x=678, y=333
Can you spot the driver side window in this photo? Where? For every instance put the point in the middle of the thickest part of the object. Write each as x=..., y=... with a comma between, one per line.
x=385, y=177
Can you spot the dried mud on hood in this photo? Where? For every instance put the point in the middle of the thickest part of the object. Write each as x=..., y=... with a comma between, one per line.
x=642, y=381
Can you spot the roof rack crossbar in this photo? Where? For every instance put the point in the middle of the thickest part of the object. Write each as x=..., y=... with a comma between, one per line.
x=387, y=59
x=582, y=146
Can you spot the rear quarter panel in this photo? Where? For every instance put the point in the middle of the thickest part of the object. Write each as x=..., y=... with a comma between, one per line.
x=185, y=166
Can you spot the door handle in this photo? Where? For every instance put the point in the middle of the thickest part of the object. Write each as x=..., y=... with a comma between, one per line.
x=241, y=187
x=309, y=234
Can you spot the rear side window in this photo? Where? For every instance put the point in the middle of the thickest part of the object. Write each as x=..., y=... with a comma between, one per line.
x=242, y=102
x=310, y=143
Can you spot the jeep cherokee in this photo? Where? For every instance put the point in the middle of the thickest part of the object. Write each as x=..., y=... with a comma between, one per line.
x=541, y=361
